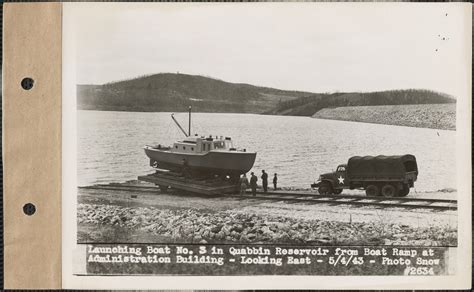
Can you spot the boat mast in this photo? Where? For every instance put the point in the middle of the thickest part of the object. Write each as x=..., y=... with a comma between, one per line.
x=179, y=126
x=189, y=127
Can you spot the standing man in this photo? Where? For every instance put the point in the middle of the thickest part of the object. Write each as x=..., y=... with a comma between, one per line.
x=275, y=181
x=253, y=184
x=264, y=181
x=244, y=184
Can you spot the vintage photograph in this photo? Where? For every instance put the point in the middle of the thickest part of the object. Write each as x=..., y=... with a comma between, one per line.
x=258, y=131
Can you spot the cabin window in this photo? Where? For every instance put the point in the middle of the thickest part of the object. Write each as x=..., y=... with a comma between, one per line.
x=341, y=168
x=228, y=144
x=176, y=147
x=184, y=148
x=192, y=149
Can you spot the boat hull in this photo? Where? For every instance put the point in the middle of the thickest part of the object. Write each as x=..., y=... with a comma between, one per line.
x=212, y=162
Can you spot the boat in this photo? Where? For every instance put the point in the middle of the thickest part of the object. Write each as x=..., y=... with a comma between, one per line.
x=201, y=156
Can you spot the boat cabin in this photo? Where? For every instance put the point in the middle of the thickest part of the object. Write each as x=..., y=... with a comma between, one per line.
x=203, y=144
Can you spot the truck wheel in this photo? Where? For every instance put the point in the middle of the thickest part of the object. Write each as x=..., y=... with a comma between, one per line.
x=325, y=189
x=404, y=192
x=372, y=191
x=338, y=191
x=389, y=190
x=163, y=188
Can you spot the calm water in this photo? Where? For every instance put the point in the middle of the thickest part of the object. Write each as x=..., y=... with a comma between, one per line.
x=297, y=148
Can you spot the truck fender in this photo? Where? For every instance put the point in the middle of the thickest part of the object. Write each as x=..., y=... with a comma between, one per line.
x=328, y=181
x=317, y=184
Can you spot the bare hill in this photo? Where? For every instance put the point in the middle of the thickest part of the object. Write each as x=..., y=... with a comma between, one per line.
x=174, y=92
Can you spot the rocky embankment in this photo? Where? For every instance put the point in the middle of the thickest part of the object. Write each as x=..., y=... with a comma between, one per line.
x=435, y=116
x=228, y=226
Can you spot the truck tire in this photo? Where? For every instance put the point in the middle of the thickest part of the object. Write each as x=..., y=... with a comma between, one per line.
x=389, y=190
x=404, y=192
x=325, y=189
x=372, y=191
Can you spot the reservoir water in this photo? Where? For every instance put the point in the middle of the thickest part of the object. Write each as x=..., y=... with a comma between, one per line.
x=110, y=145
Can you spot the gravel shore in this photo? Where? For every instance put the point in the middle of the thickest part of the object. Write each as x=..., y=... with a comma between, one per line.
x=435, y=116
x=198, y=226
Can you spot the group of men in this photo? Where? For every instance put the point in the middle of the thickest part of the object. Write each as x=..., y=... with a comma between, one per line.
x=244, y=183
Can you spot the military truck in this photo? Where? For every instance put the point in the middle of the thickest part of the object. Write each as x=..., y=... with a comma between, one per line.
x=388, y=176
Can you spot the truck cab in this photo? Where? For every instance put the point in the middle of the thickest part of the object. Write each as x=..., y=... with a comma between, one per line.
x=333, y=182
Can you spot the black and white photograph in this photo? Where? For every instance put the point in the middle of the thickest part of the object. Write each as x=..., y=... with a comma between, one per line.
x=266, y=139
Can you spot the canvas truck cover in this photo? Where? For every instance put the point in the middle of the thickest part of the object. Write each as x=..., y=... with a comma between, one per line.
x=381, y=166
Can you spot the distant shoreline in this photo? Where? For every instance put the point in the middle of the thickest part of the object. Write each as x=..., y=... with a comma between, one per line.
x=432, y=116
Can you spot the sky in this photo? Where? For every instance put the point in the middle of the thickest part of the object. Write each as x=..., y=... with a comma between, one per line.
x=316, y=47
